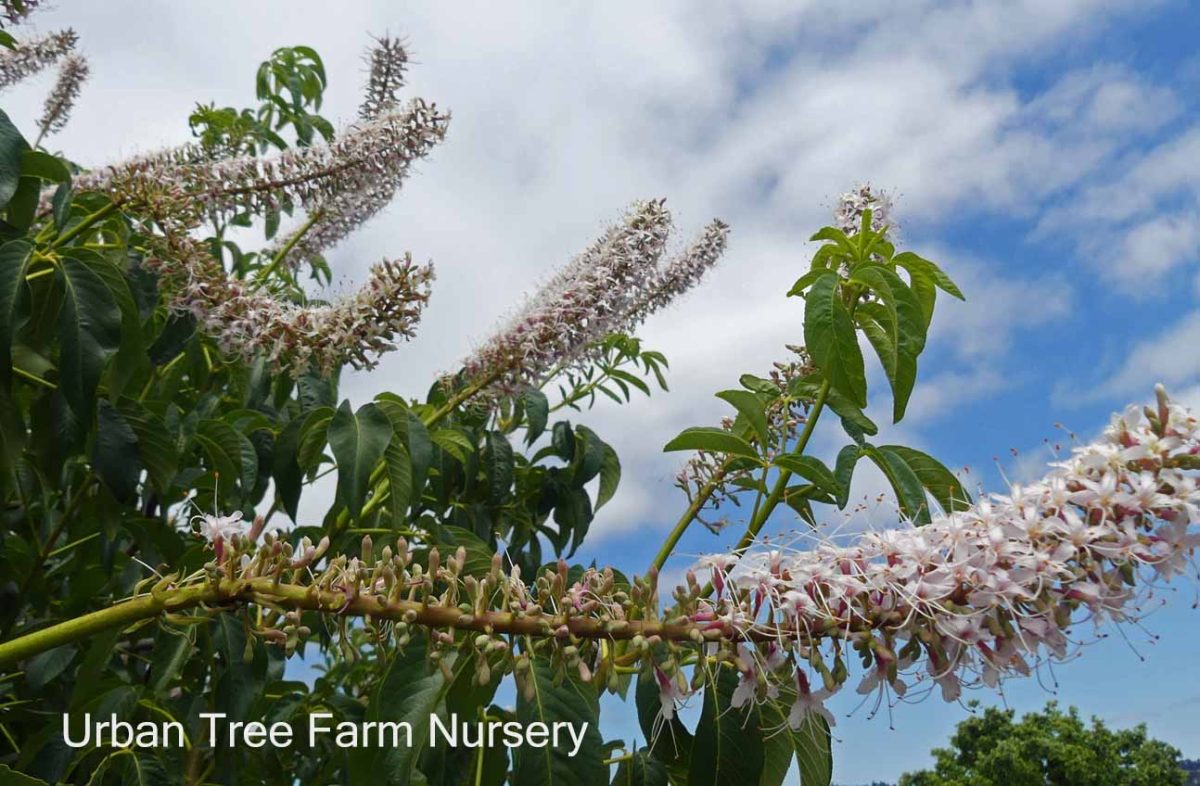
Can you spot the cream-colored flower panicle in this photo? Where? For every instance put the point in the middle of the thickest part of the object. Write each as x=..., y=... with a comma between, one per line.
x=306, y=177
x=31, y=56
x=57, y=110
x=979, y=595
x=247, y=323
x=609, y=288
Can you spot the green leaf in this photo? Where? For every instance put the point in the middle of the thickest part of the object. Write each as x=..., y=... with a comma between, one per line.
x=939, y=481
x=399, y=473
x=155, y=448
x=171, y=650
x=14, y=262
x=812, y=469
x=610, y=477
x=115, y=452
x=910, y=262
x=229, y=452
x=728, y=746
x=35, y=163
x=537, y=414
x=285, y=467
x=420, y=450
x=12, y=147
x=904, y=324
x=843, y=470
x=410, y=691
x=716, y=440
x=45, y=666
x=89, y=331
x=547, y=700
x=358, y=440
x=479, y=554
x=810, y=744
x=498, y=465
x=832, y=340
x=805, y=281
x=753, y=409
x=814, y=751
x=641, y=769
x=909, y=492
x=13, y=778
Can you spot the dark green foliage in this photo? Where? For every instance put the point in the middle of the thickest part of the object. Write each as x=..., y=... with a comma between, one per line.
x=1049, y=748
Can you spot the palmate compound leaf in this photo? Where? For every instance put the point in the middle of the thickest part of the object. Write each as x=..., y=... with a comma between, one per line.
x=555, y=701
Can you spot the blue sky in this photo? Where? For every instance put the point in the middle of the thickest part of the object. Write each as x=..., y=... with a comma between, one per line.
x=1047, y=154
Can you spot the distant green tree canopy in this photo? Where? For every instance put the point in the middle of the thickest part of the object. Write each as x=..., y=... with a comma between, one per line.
x=1049, y=748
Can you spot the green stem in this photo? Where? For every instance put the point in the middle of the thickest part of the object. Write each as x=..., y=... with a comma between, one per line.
x=776, y=495
x=702, y=496
x=277, y=260
x=20, y=372
x=85, y=224
x=228, y=594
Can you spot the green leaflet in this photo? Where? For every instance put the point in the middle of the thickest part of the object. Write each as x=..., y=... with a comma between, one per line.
x=14, y=262
x=399, y=474
x=753, y=409
x=571, y=701
x=909, y=491
x=610, y=477
x=728, y=746
x=641, y=769
x=411, y=690
x=832, y=340
x=812, y=469
x=498, y=466
x=89, y=324
x=358, y=440
x=939, y=481
x=716, y=440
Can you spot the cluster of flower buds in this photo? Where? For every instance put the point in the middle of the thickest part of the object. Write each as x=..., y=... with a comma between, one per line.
x=710, y=475
x=848, y=214
x=969, y=599
x=609, y=288
x=33, y=55
x=307, y=176
x=387, y=62
x=57, y=111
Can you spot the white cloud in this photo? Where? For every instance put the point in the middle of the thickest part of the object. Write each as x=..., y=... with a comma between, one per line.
x=1172, y=357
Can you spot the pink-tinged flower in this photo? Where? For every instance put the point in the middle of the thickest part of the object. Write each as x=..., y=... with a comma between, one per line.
x=669, y=694
x=983, y=593
x=808, y=702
